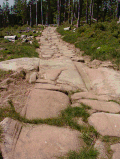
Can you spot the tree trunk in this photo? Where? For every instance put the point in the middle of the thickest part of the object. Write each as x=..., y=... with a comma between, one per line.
x=97, y=10
x=79, y=12
x=58, y=9
x=64, y=10
x=87, y=12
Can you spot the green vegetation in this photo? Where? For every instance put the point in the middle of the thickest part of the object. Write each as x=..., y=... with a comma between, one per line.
x=17, y=50
x=4, y=74
x=118, y=102
x=111, y=140
x=84, y=153
x=10, y=50
x=66, y=118
x=100, y=40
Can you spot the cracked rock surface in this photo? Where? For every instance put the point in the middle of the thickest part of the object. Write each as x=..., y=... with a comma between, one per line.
x=60, y=72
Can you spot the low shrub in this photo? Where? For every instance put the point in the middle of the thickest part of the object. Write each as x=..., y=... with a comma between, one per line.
x=102, y=35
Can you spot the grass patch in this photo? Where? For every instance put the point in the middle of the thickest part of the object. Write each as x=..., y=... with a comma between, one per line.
x=10, y=50
x=84, y=153
x=17, y=50
x=114, y=101
x=111, y=140
x=73, y=92
x=4, y=74
x=66, y=118
x=100, y=40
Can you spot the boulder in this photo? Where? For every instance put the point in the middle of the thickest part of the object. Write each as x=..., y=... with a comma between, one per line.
x=28, y=64
x=45, y=103
x=106, y=123
x=46, y=142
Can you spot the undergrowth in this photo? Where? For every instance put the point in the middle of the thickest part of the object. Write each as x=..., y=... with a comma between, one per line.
x=10, y=50
x=100, y=40
x=66, y=118
x=84, y=153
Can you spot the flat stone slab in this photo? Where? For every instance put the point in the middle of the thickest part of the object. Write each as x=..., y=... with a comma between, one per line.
x=89, y=95
x=72, y=77
x=45, y=103
x=102, y=105
x=116, y=149
x=11, y=129
x=52, y=74
x=67, y=87
x=105, y=123
x=20, y=63
x=52, y=86
x=46, y=142
x=104, y=81
x=81, y=69
x=58, y=63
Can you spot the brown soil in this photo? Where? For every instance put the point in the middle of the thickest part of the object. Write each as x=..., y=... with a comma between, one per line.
x=16, y=89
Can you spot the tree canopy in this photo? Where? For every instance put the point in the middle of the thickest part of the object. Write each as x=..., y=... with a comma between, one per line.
x=58, y=11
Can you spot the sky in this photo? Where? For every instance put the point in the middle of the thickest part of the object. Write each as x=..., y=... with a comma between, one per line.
x=11, y=2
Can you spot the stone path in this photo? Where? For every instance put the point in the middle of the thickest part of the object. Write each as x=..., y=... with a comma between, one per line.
x=60, y=71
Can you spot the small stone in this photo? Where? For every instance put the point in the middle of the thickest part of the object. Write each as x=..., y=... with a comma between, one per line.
x=107, y=64
x=68, y=28
x=77, y=59
x=33, y=77
x=24, y=40
x=81, y=122
x=34, y=31
x=23, y=36
x=30, y=42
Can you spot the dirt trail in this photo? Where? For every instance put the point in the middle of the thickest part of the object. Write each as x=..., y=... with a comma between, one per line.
x=60, y=72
